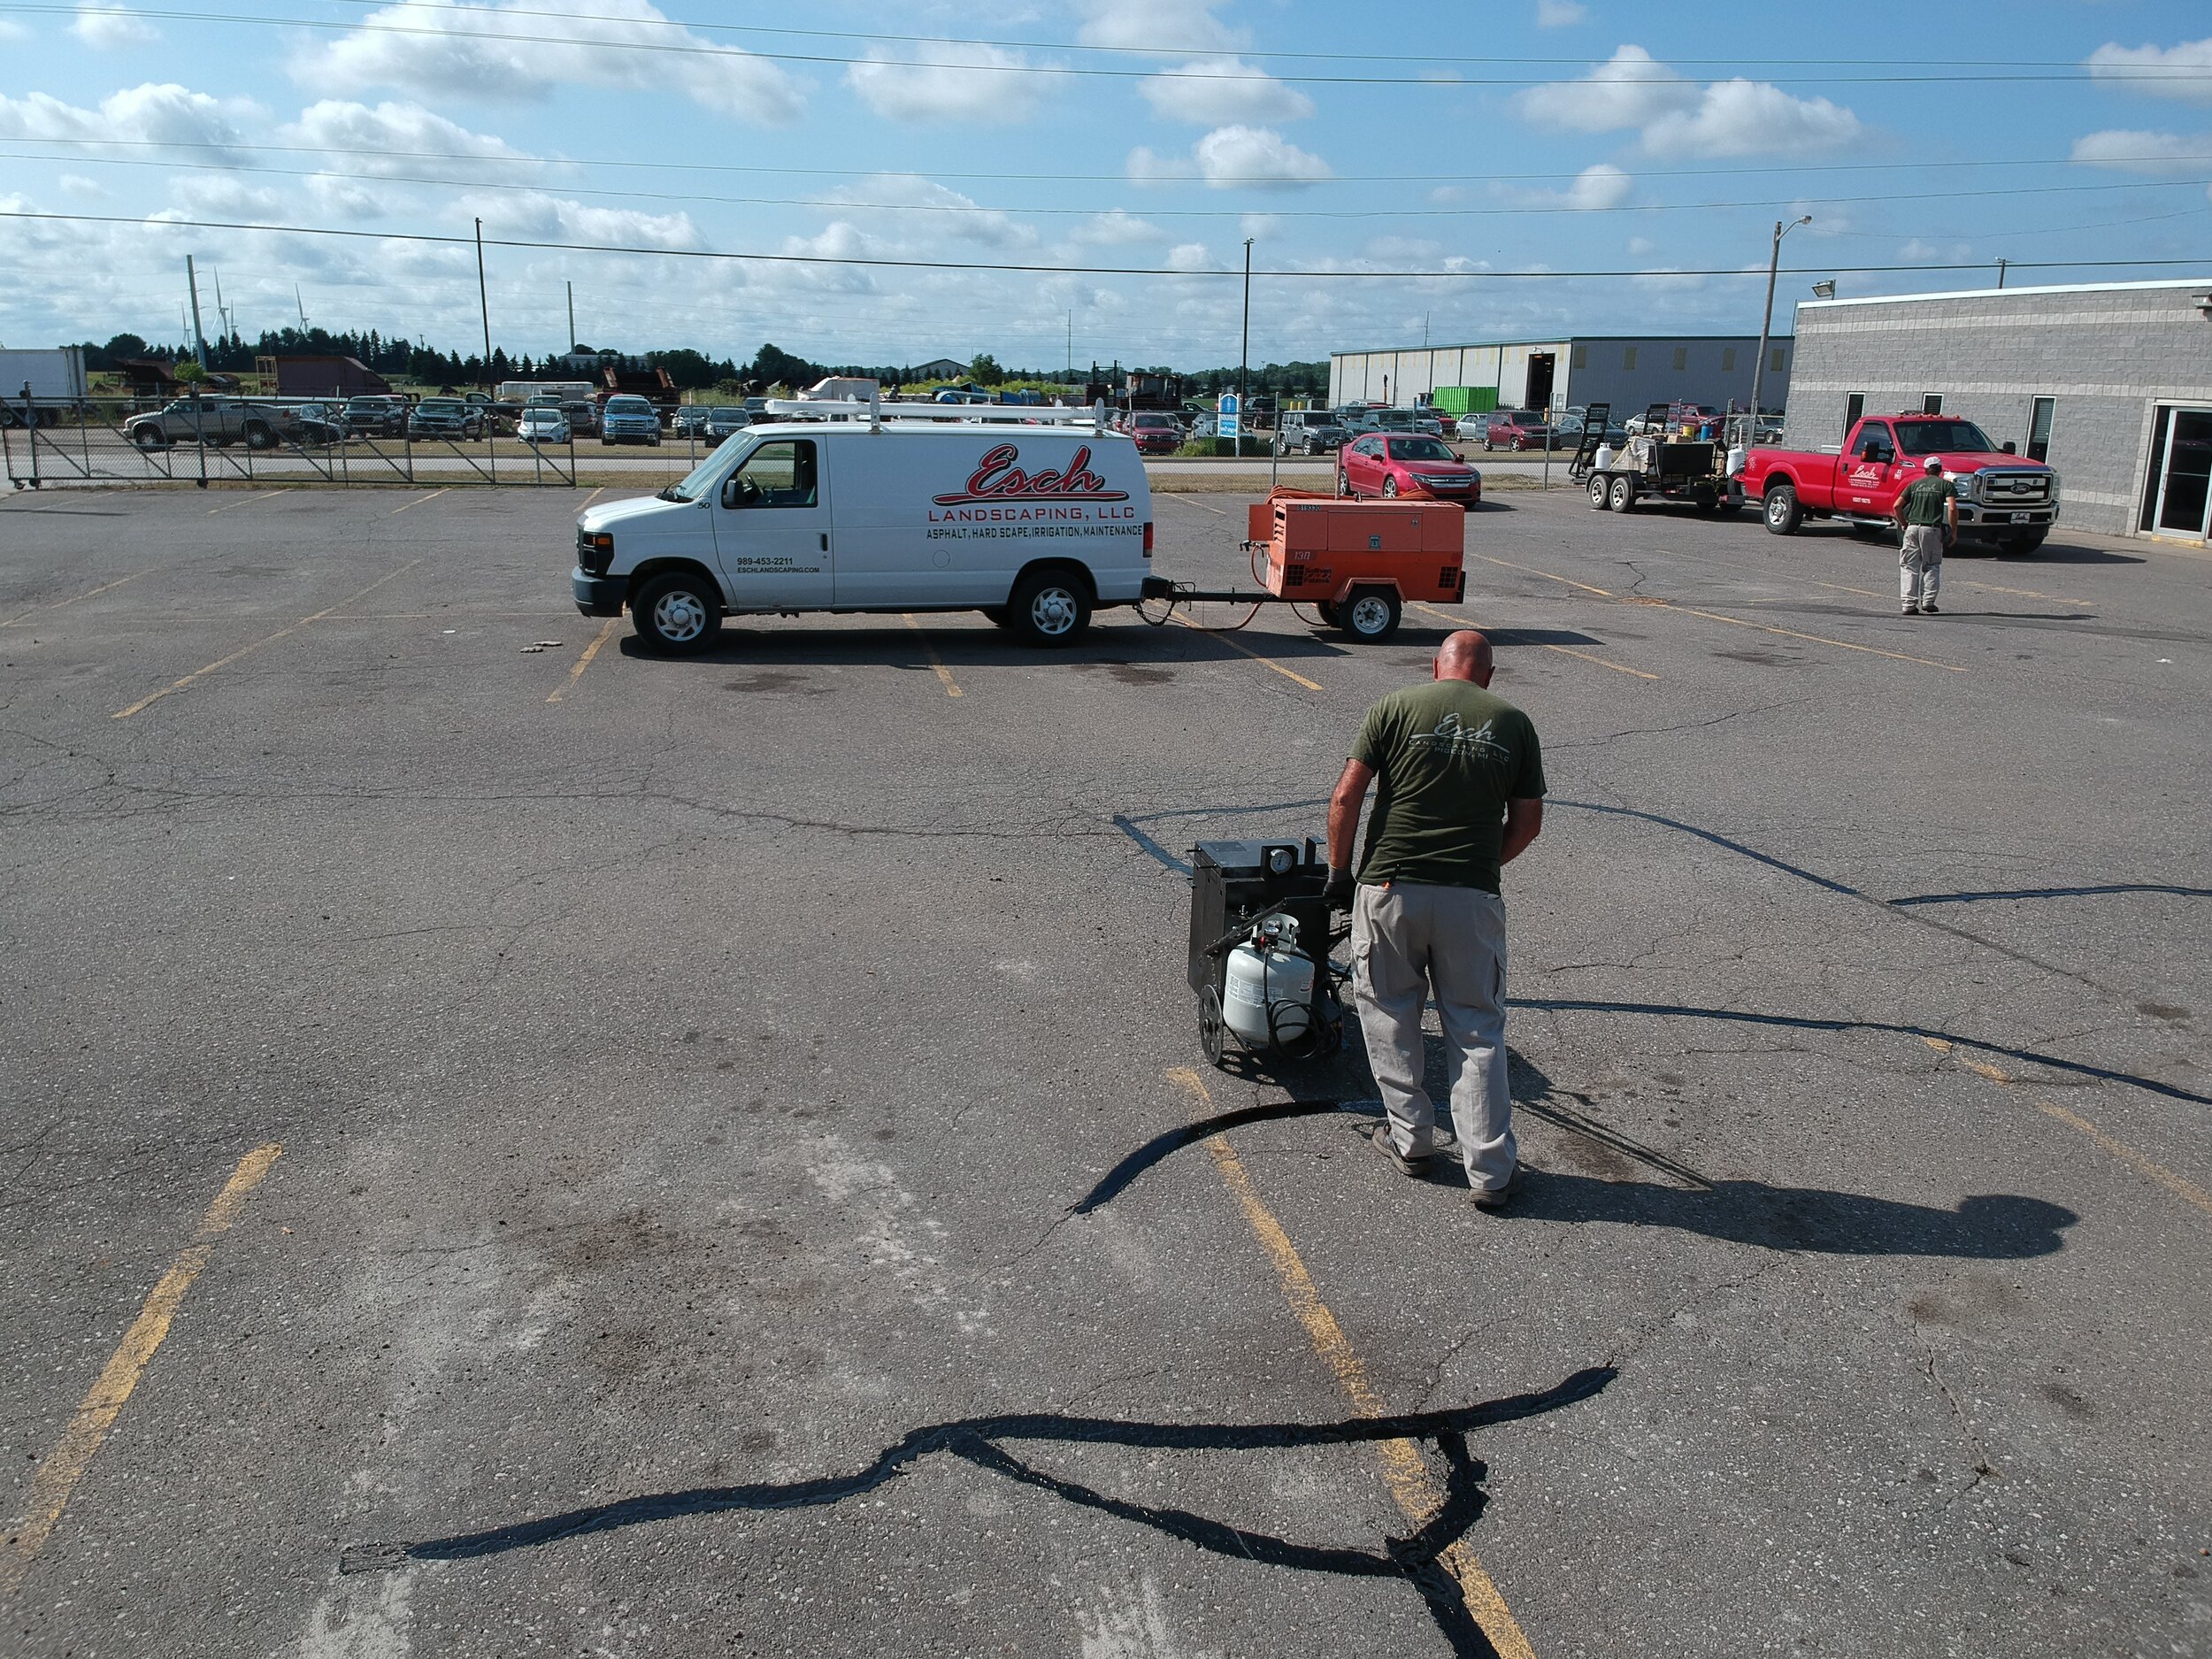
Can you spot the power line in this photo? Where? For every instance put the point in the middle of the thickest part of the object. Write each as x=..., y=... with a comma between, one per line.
x=1464, y=274
x=2161, y=74
x=1068, y=178
x=847, y=205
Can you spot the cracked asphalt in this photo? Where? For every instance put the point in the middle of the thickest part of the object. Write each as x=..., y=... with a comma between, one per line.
x=684, y=1071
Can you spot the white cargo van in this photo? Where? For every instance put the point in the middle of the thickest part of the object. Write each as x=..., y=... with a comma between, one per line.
x=1034, y=517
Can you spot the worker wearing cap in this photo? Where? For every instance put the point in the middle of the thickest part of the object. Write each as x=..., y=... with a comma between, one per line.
x=1928, y=513
x=1461, y=795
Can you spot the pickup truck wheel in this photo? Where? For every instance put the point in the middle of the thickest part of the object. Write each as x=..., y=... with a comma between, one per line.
x=1783, y=513
x=1050, y=607
x=260, y=437
x=150, y=438
x=677, y=615
x=1371, y=615
x=1621, y=497
x=1598, y=483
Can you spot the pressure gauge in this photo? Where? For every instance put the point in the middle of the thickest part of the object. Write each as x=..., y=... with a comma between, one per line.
x=1281, y=860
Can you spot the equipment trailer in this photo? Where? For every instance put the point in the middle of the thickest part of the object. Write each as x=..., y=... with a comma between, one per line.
x=1652, y=467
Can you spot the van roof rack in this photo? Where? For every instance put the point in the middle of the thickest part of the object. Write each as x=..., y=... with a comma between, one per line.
x=874, y=410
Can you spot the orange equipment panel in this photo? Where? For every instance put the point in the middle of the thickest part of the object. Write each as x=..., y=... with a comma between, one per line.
x=1321, y=547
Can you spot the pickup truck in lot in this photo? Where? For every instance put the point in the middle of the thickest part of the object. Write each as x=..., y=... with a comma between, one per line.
x=2002, y=499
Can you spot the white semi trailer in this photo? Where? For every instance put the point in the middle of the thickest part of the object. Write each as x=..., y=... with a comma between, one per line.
x=33, y=382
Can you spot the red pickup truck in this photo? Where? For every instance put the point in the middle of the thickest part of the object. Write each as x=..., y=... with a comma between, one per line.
x=2002, y=499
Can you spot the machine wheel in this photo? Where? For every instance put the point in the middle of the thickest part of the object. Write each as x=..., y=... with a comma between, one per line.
x=1213, y=1030
x=2021, y=546
x=1370, y=616
x=150, y=438
x=1598, y=483
x=1783, y=513
x=1051, y=607
x=678, y=614
x=1620, y=495
x=1330, y=614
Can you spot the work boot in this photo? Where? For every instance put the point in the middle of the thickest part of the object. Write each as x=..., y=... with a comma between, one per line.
x=1494, y=1200
x=1379, y=1136
x=1928, y=608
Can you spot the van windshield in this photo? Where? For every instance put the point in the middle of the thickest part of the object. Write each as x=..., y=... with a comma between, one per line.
x=694, y=485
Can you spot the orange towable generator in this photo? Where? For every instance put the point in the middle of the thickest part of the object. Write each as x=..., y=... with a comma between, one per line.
x=1355, y=562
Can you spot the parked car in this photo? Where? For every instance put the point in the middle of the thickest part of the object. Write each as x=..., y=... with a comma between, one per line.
x=583, y=416
x=1155, y=433
x=1447, y=423
x=627, y=417
x=542, y=423
x=1471, y=426
x=1518, y=429
x=689, y=421
x=447, y=418
x=216, y=421
x=1379, y=420
x=1309, y=432
x=724, y=419
x=320, y=423
x=1391, y=464
x=376, y=416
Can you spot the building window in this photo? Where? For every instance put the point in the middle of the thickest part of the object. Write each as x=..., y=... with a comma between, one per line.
x=1681, y=358
x=1853, y=406
x=1931, y=403
x=1628, y=357
x=2039, y=414
x=1774, y=361
x=1728, y=359
x=1581, y=356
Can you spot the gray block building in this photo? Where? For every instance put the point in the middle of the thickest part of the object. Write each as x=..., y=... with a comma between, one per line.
x=1630, y=371
x=2111, y=383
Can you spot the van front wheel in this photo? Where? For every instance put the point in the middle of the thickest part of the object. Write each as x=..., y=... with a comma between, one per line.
x=677, y=614
x=1050, y=607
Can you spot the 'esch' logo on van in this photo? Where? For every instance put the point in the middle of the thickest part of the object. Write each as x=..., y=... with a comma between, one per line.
x=996, y=478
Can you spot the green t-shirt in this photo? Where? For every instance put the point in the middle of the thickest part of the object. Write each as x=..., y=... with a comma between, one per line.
x=1447, y=757
x=1923, y=500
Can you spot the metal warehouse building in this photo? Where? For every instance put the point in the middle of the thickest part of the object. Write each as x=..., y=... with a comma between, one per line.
x=2111, y=383
x=1630, y=371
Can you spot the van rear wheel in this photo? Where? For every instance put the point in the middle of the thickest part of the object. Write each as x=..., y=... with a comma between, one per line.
x=678, y=614
x=1050, y=607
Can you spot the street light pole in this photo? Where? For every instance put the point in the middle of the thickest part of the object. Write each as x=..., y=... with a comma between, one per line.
x=1766, y=321
x=1244, y=354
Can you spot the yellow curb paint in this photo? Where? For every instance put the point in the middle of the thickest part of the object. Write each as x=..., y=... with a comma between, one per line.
x=584, y=662
x=1412, y=1486
x=65, y=1466
x=247, y=650
x=936, y=663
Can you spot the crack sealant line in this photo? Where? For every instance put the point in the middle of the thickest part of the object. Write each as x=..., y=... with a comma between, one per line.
x=1715, y=616
x=1411, y=1485
x=2180, y=1186
x=271, y=638
x=65, y=1465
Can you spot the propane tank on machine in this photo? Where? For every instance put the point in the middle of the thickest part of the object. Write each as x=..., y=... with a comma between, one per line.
x=1267, y=998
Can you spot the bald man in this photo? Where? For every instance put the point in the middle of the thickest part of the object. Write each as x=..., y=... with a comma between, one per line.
x=1461, y=795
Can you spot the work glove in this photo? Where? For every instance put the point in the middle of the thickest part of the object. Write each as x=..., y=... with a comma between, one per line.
x=1338, y=893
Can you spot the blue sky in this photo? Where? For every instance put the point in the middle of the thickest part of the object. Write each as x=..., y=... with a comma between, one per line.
x=1400, y=136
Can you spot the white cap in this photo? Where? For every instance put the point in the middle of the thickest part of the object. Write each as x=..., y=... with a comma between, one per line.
x=1934, y=465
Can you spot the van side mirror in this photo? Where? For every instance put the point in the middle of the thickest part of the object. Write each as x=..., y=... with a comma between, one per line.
x=739, y=491
x=2008, y=447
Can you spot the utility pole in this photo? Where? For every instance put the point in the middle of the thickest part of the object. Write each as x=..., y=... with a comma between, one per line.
x=1766, y=321
x=2002, y=264
x=1244, y=354
x=571, y=346
x=192, y=287
x=1071, y=348
x=483, y=300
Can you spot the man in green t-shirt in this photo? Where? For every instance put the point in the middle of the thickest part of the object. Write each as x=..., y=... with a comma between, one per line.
x=1461, y=795
x=1927, y=514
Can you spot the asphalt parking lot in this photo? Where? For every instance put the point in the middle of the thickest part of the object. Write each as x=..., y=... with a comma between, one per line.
x=514, y=1146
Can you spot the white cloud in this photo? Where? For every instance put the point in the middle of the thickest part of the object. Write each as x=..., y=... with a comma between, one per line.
x=487, y=51
x=1174, y=26
x=346, y=198
x=1189, y=255
x=1558, y=14
x=219, y=195
x=916, y=203
x=536, y=216
x=1116, y=229
x=358, y=131
x=106, y=28
x=2182, y=73
x=1598, y=189
x=1210, y=89
x=1642, y=246
x=990, y=86
x=1920, y=252
x=77, y=185
x=2143, y=152
x=11, y=30
x=1255, y=157
x=1630, y=88
x=165, y=114
x=1748, y=118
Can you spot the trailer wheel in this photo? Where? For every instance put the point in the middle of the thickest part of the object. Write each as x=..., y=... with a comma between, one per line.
x=1598, y=483
x=1707, y=502
x=1783, y=513
x=1622, y=494
x=1213, y=1030
x=677, y=614
x=1370, y=616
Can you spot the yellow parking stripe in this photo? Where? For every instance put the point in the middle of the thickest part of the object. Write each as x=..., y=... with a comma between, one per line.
x=1564, y=650
x=65, y=1466
x=92, y=594
x=1412, y=1486
x=418, y=501
x=584, y=662
x=936, y=663
x=1264, y=662
x=269, y=496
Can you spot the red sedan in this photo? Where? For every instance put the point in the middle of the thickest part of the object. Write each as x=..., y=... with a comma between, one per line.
x=1391, y=464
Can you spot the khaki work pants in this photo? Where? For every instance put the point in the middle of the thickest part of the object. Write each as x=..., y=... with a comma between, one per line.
x=1920, y=567
x=1408, y=939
